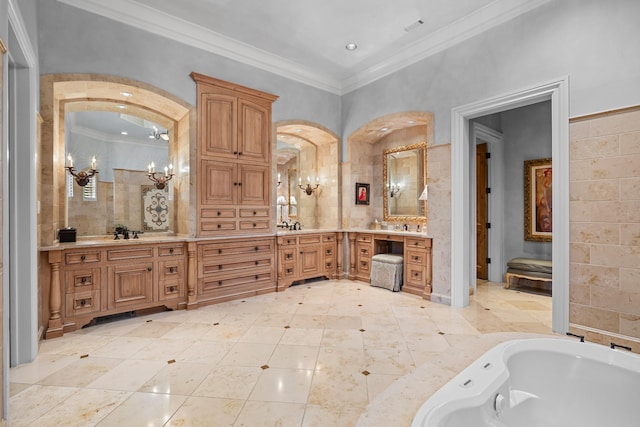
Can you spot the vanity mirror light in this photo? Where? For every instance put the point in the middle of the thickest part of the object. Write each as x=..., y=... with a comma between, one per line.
x=404, y=179
x=126, y=147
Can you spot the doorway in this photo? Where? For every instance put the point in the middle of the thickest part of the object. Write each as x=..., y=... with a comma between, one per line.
x=462, y=151
x=482, y=212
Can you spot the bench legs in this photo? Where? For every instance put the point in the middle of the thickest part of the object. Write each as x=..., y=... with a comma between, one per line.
x=508, y=276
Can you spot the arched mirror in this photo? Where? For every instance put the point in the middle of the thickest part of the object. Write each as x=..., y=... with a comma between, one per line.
x=121, y=194
x=404, y=179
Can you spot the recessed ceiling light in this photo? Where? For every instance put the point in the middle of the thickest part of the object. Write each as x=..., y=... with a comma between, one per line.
x=125, y=94
x=351, y=46
x=122, y=107
x=124, y=133
x=384, y=129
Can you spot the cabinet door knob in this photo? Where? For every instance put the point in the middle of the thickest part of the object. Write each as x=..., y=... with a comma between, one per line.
x=82, y=257
x=149, y=268
x=218, y=213
x=240, y=184
x=170, y=250
x=235, y=153
x=219, y=282
x=219, y=226
x=240, y=153
x=257, y=248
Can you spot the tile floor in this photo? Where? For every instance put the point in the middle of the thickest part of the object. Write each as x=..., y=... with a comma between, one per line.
x=319, y=354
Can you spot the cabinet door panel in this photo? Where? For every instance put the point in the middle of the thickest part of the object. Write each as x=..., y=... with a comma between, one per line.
x=309, y=259
x=218, y=183
x=129, y=285
x=219, y=123
x=255, y=185
x=253, y=134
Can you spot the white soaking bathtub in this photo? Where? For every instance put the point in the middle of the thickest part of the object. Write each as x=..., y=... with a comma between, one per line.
x=544, y=382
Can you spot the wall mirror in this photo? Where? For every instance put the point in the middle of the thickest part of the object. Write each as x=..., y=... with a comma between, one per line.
x=122, y=195
x=404, y=178
x=297, y=163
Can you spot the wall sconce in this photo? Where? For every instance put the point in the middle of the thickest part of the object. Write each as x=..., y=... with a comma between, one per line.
x=279, y=182
x=160, y=181
x=394, y=189
x=82, y=177
x=308, y=189
x=157, y=134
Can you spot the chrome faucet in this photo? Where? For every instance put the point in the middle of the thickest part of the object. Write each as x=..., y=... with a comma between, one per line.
x=295, y=226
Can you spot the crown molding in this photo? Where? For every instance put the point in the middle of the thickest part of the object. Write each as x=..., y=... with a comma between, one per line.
x=152, y=20
x=481, y=20
x=165, y=25
x=20, y=31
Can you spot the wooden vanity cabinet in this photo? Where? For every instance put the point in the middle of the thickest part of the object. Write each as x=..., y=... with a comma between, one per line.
x=306, y=256
x=85, y=283
x=233, y=157
x=235, y=268
x=417, y=257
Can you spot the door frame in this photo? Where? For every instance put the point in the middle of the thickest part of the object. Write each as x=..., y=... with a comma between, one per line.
x=495, y=215
x=461, y=181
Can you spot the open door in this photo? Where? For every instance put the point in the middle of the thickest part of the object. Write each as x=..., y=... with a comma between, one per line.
x=482, y=239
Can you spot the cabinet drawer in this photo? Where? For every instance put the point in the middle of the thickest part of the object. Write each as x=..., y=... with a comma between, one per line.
x=84, y=257
x=288, y=270
x=328, y=238
x=329, y=250
x=171, y=270
x=170, y=290
x=366, y=238
x=80, y=303
x=364, y=265
x=415, y=275
x=213, y=284
x=288, y=255
x=254, y=225
x=412, y=242
x=415, y=257
x=329, y=264
x=364, y=251
x=236, y=248
x=82, y=280
x=130, y=253
x=227, y=268
x=254, y=213
x=215, y=226
x=208, y=213
x=310, y=239
x=287, y=241
x=170, y=250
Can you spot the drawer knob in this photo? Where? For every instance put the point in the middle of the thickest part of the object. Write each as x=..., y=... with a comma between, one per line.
x=172, y=289
x=289, y=270
x=255, y=213
x=240, y=153
x=256, y=248
x=219, y=251
x=257, y=277
x=254, y=224
x=149, y=268
x=83, y=280
x=83, y=302
x=220, y=267
x=219, y=226
x=82, y=257
x=235, y=153
x=218, y=213
x=170, y=250
x=172, y=269
x=219, y=282
x=257, y=263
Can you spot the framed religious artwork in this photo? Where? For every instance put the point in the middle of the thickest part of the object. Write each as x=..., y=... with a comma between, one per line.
x=362, y=193
x=538, y=224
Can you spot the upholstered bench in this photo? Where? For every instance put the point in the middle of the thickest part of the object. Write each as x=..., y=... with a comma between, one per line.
x=528, y=268
x=386, y=271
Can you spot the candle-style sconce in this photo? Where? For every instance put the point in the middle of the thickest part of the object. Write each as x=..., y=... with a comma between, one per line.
x=309, y=189
x=394, y=189
x=82, y=178
x=160, y=181
x=279, y=181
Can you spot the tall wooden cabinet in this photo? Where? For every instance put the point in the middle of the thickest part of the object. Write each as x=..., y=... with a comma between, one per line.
x=234, y=158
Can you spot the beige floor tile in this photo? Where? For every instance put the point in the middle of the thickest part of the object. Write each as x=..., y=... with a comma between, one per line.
x=177, y=378
x=256, y=413
x=376, y=383
x=144, y=409
x=248, y=354
x=42, y=367
x=294, y=357
x=163, y=349
x=390, y=361
x=122, y=347
x=343, y=322
x=36, y=400
x=302, y=336
x=229, y=382
x=81, y=372
x=211, y=352
x=205, y=412
x=334, y=416
x=152, y=329
x=311, y=321
x=283, y=385
x=129, y=375
x=263, y=334
x=330, y=388
x=343, y=338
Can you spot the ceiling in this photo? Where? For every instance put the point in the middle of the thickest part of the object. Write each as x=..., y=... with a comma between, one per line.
x=305, y=39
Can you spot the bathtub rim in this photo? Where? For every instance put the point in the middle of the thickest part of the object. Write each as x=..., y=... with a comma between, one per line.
x=487, y=380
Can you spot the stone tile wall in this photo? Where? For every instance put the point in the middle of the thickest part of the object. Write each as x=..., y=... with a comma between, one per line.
x=605, y=226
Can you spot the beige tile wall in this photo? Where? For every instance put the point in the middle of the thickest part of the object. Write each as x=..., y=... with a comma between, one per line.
x=604, y=194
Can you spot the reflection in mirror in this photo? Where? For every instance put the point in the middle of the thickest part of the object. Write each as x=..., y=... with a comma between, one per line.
x=297, y=159
x=404, y=176
x=122, y=194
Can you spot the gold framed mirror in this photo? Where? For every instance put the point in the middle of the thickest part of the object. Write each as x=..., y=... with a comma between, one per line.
x=404, y=174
